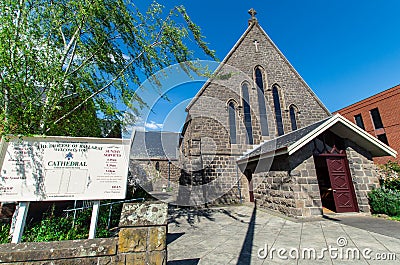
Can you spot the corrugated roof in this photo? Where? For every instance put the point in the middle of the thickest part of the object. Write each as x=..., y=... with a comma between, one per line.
x=155, y=145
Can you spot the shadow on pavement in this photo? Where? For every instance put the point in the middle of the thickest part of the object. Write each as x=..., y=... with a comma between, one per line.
x=245, y=252
x=193, y=215
x=190, y=214
x=171, y=237
x=184, y=262
x=330, y=218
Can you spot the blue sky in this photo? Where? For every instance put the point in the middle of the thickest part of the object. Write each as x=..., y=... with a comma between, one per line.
x=345, y=50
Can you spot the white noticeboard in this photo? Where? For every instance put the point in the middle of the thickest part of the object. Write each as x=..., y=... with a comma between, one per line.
x=63, y=168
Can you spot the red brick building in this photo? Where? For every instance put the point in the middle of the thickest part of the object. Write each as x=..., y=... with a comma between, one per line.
x=379, y=115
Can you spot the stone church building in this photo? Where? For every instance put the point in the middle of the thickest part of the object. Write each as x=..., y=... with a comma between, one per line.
x=256, y=132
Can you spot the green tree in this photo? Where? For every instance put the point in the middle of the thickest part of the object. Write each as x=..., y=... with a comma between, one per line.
x=62, y=63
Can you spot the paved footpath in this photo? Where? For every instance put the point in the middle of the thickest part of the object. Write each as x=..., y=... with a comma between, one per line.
x=244, y=235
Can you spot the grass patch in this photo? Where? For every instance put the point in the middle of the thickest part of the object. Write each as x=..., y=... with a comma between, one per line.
x=4, y=230
x=395, y=218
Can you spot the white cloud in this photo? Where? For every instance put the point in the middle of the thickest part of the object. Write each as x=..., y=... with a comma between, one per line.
x=153, y=125
x=138, y=128
x=126, y=57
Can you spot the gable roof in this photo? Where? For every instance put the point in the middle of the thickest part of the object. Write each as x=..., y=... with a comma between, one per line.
x=252, y=24
x=155, y=145
x=294, y=141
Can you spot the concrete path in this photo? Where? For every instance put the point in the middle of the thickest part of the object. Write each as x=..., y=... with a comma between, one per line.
x=244, y=235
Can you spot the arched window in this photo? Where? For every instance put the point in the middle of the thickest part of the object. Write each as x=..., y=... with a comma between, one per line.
x=261, y=102
x=293, y=121
x=247, y=113
x=232, y=122
x=278, y=110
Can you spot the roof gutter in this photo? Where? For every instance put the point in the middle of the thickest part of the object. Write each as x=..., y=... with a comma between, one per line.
x=249, y=159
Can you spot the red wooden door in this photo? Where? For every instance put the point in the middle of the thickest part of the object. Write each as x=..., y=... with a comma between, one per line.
x=342, y=186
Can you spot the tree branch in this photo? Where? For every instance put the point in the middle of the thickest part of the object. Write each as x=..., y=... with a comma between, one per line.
x=63, y=37
x=155, y=43
x=103, y=88
x=70, y=61
x=70, y=43
x=86, y=60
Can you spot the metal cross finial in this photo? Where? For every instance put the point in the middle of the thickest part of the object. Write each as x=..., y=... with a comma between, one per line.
x=253, y=13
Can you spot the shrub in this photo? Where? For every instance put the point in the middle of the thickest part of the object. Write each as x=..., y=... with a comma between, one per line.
x=391, y=179
x=392, y=184
x=393, y=166
x=385, y=201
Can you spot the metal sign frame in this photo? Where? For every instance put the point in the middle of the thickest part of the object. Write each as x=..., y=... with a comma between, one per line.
x=28, y=162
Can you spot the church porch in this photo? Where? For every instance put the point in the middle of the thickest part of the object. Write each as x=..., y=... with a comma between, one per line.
x=327, y=164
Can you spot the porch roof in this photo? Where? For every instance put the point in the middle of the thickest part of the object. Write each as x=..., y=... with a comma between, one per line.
x=293, y=141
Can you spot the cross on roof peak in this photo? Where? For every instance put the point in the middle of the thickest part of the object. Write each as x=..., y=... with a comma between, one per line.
x=252, y=13
x=253, y=19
